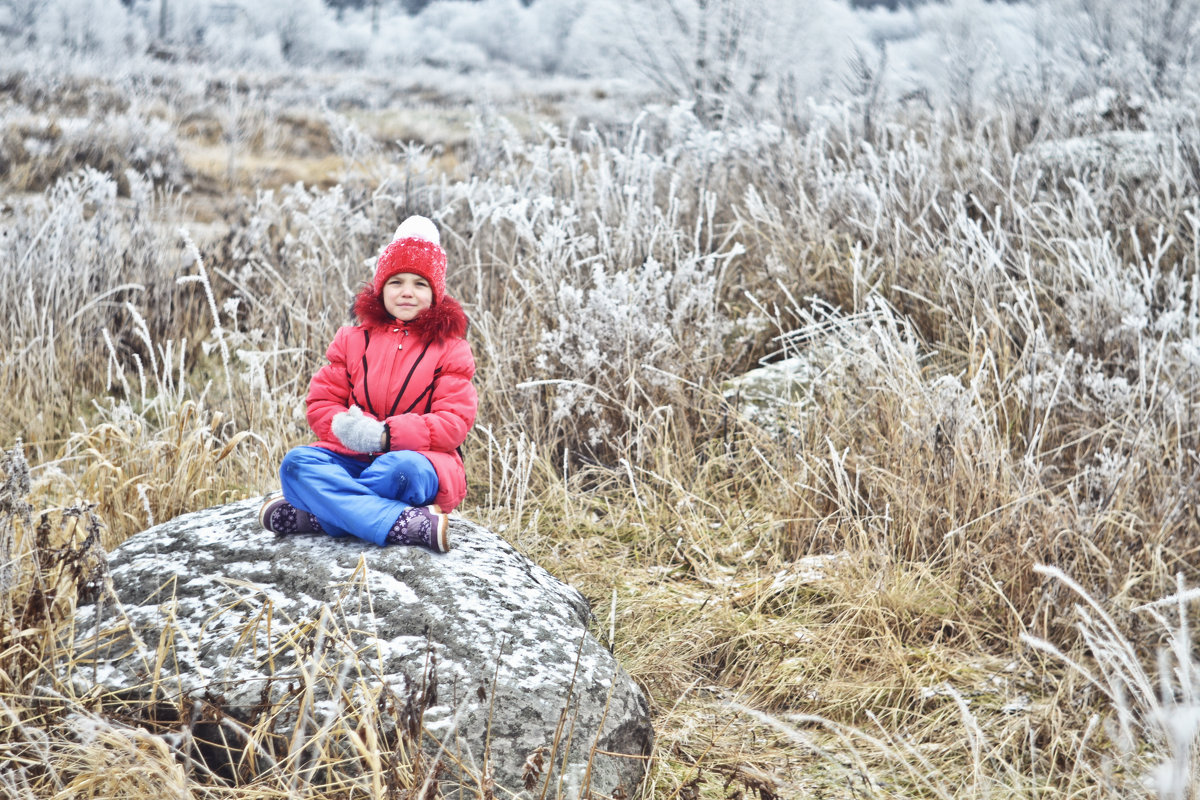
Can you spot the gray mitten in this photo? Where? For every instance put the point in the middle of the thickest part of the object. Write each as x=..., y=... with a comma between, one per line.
x=360, y=433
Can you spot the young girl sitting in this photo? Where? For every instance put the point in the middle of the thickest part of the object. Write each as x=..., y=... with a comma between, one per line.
x=389, y=410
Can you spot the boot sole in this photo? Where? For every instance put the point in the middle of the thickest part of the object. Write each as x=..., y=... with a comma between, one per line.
x=265, y=509
x=441, y=536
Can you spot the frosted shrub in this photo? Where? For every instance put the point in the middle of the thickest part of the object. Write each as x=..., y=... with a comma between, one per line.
x=1082, y=286
x=615, y=345
x=1118, y=303
x=76, y=264
x=148, y=144
x=321, y=224
x=553, y=25
x=495, y=28
x=538, y=38
x=303, y=28
x=1131, y=302
x=825, y=189
x=1143, y=46
x=350, y=141
x=615, y=263
x=1095, y=484
x=310, y=245
x=41, y=150
x=62, y=243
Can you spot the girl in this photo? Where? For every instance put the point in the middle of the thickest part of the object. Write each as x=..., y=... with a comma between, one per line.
x=390, y=410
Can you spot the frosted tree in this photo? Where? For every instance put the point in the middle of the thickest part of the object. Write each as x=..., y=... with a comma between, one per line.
x=705, y=50
x=85, y=26
x=19, y=16
x=305, y=28
x=1146, y=42
x=728, y=57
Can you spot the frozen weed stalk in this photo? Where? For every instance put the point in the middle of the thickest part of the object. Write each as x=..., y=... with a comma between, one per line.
x=1157, y=712
x=16, y=520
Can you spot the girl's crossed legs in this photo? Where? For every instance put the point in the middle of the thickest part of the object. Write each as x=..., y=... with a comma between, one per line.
x=352, y=497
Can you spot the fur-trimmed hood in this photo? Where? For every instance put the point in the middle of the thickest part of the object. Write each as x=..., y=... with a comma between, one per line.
x=444, y=320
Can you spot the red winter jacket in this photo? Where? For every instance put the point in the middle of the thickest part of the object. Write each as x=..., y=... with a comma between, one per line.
x=415, y=376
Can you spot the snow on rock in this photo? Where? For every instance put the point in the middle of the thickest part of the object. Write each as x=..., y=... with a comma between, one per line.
x=773, y=394
x=1128, y=157
x=254, y=624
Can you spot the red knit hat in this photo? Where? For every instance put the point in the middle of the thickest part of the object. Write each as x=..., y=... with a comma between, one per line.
x=415, y=248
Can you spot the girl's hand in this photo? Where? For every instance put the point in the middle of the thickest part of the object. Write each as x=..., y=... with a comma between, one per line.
x=358, y=432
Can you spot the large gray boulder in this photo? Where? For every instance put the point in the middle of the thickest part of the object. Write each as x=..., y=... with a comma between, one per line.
x=309, y=648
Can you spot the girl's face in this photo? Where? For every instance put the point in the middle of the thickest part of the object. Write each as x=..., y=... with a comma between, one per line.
x=406, y=295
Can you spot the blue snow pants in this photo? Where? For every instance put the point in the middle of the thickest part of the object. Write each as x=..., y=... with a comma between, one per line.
x=357, y=498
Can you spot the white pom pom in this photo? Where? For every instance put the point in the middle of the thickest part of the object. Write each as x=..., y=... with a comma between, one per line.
x=417, y=227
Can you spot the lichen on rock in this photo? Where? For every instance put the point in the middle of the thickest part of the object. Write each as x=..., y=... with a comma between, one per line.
x=479, y=649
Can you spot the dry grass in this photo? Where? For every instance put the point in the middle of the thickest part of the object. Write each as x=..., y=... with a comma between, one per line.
x=837, y=599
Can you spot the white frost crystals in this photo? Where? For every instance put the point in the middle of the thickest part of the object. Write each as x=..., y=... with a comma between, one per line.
x=846, y=358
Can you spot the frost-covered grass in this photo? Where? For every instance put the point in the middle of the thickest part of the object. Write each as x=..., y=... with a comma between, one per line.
x=991, y=341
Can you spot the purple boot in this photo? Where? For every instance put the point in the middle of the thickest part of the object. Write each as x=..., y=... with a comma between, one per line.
x=282, y=518
x=426, y=526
